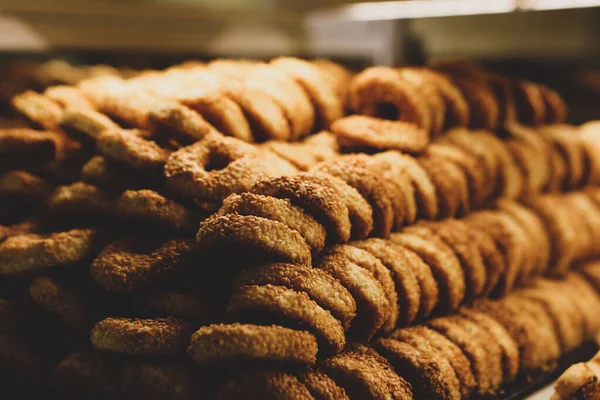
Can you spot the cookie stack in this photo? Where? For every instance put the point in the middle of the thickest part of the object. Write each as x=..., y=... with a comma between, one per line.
x=224, y=230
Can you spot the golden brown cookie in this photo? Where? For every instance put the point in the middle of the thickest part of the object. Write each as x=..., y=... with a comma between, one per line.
x=281, y=210
x=510, y=245
x=315, y=82
x=404, y=275
x=444, y=265
x=361, y=132
x=321, y=386
x=127, y=147
x=405, y=191
x=531, y=105
x=254, y=239
x=455, y=356
x=134, y=264
x=457, y=236
x=142, y=337
x=316, y=197
x=469, y=143
x=181, y=120
x=538, y=235
x=360, y=211
x=372, y=307
x=508, y=347
x=148, y=206
x=29, y=252
x=479, y=347
x=364, y=374
x=63, y=301
x=82, y=201
x=450, y=183
x=368, y=261
x=357, y=173
x=67, y=96
x=38, y=109
x=568, y=320
x=85, y=124
x=529, y=326
x=381, y=92
x=325, y=289
x=429, y=375
x=25, y=186
x=238, y=343
x=558, y=223
x=277, y=303
x=290, y=95
x=265, y=115
x=424, y=189
x=484, y=109
x=472, y=167
x=38, y=146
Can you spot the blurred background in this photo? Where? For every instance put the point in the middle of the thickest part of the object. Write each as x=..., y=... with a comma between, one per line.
x=551, y=41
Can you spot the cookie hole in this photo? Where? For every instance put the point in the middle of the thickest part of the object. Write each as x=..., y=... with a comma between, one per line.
x=387, y=111
x=217, y=162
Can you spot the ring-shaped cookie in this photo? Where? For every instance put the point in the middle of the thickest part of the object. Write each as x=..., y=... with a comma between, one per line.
x=213, y=168
x=135, y=264
x=239, y=343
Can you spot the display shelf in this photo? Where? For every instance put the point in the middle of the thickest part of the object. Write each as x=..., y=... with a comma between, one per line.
x=405, y=32
x=371, y=30
x=40, y=25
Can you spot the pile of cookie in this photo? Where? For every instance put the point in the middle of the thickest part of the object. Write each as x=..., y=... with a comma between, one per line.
x=470, y=354
x=21, y=75
x=224, y=230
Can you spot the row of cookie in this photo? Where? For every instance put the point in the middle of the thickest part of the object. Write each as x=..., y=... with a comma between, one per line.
x=477, y=163
x=550, y=158
x=472, y=354
x=482, y=167
x=40, y=75
x=284, y=99
x=21, y=75
x=356, y=196
x=36, y=161
x=380, y=297
x=32, y=205
x=50, y=155
x=375, y=284
x=89, y=374
x=89, y=274
x=369, y=287
x=376, y=193
x=51, y=300
x=475, y=352
x=448, y=95
x=38, y=354
x=119, y=323
x=294, y=94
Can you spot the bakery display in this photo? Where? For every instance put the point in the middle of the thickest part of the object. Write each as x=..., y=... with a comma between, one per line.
x=290, y=229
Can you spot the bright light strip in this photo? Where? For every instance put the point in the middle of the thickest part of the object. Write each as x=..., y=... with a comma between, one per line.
x=389, y=10
x=558, y=4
